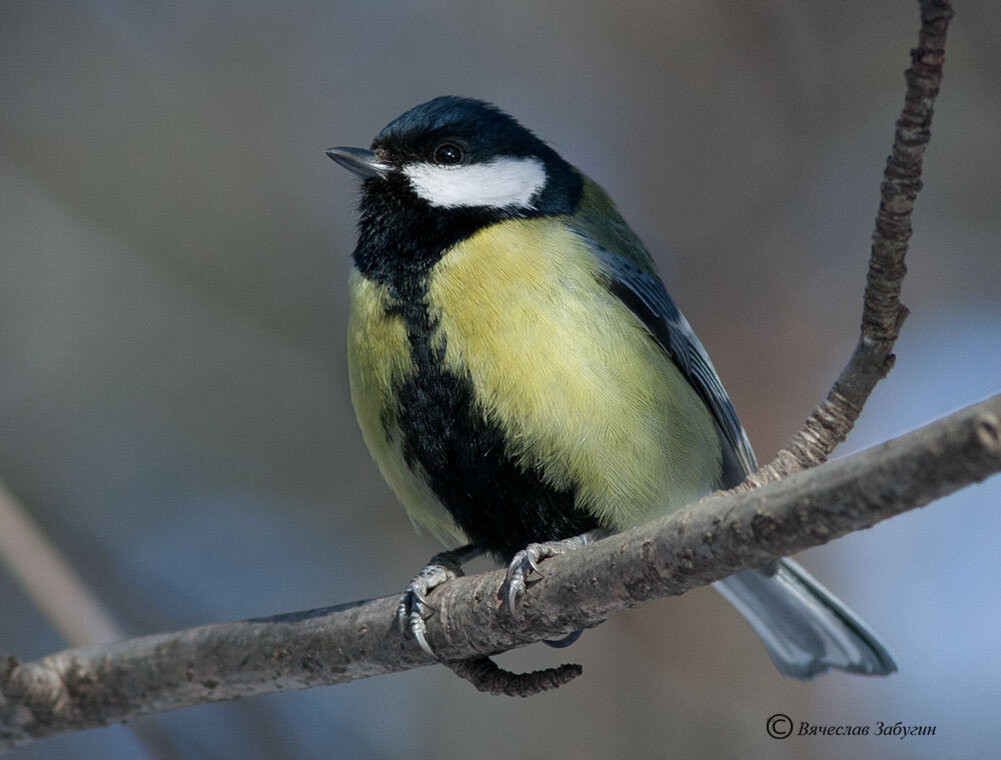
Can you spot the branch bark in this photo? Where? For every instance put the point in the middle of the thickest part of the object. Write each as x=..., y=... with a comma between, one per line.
x=707, y=541
x=882, y=314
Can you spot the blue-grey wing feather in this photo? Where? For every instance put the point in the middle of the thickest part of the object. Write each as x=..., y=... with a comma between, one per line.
x=647, y=298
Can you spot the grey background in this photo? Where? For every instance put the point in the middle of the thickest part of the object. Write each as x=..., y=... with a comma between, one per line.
x=173, y=396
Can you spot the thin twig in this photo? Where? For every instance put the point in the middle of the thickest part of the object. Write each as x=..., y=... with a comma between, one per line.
x=883, y=313
x=49, y=579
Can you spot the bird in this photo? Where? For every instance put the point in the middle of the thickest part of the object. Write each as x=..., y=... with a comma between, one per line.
x=524, y=381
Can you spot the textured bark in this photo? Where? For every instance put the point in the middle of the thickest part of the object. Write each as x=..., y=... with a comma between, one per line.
x=883, y=314
x=94, y=686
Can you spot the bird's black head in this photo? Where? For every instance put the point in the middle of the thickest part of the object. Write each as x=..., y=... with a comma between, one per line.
x=445, y=169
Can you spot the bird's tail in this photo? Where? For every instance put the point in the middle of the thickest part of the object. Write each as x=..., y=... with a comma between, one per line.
x=804, y=627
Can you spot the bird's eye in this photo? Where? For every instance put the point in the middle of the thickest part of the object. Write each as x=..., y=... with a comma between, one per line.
x=448, y=154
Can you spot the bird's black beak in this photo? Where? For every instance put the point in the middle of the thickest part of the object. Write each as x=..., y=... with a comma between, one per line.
x=362, y=162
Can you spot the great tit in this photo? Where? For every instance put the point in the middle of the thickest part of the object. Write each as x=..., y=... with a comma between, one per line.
x=525, y=382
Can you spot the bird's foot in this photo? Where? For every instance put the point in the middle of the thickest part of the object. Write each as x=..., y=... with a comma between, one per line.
x=527, y=561
x=413, y=608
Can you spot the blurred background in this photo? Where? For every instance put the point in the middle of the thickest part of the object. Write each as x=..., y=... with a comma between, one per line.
x=174, y=407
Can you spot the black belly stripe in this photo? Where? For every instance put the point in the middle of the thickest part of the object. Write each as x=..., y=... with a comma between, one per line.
x=499, y=504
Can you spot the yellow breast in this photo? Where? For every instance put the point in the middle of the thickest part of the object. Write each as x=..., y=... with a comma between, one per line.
x=569, y=373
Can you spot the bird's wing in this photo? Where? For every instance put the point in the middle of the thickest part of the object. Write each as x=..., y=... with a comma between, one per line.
x=645, y=295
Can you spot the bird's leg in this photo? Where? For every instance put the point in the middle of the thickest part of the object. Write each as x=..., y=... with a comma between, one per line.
x=413, y=607
x=526, y=561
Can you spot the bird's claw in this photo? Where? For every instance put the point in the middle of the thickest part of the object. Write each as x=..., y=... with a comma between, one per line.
x=413, y=608
x=526, y=562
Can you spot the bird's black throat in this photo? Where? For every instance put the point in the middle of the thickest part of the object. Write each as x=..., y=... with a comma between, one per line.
x=400, y=236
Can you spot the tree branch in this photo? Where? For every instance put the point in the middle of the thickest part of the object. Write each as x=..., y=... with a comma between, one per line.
x=702, y=543
x=883, y=314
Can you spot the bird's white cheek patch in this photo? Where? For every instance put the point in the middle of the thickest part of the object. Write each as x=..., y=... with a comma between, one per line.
x=501, y=183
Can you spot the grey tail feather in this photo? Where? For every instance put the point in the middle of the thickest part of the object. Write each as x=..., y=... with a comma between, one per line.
x=805, y=628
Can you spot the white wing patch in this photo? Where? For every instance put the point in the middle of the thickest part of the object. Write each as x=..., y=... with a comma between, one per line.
x=501, y=183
